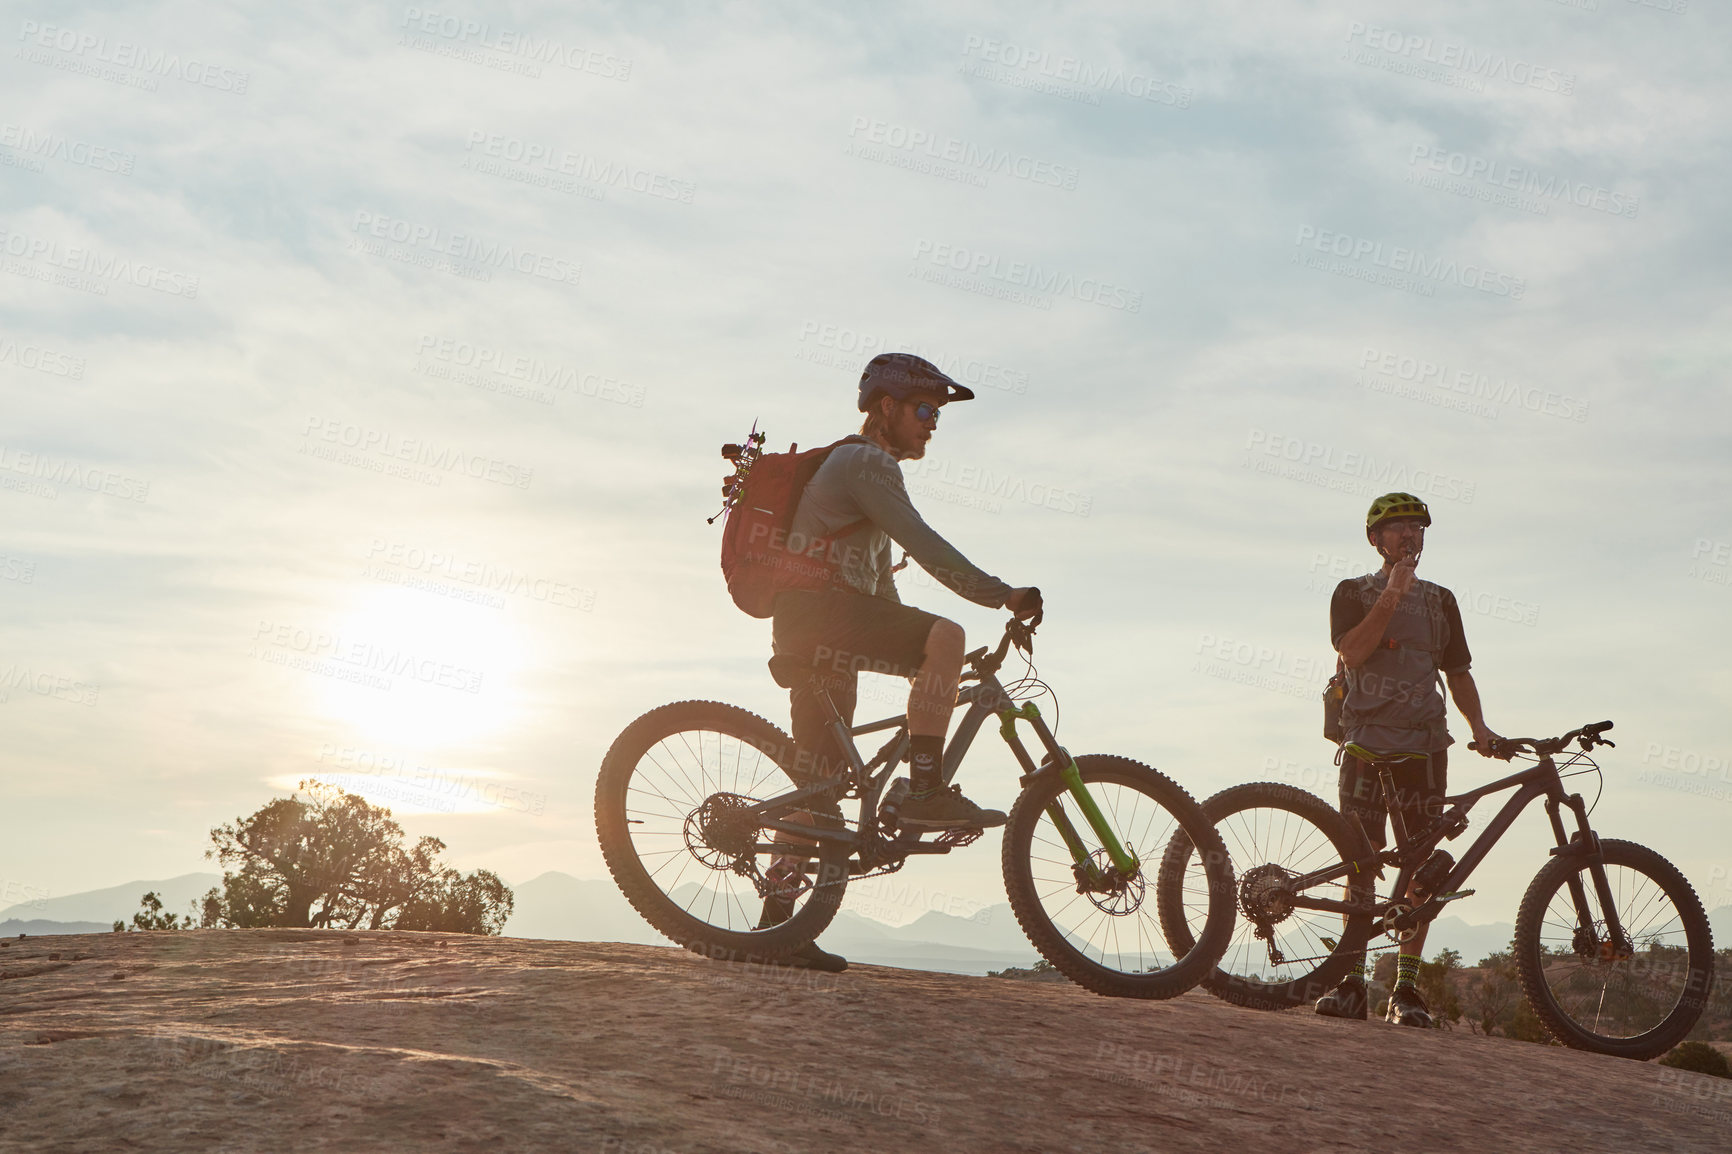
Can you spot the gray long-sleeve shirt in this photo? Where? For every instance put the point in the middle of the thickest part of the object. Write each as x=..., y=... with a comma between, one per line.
x=862, y=481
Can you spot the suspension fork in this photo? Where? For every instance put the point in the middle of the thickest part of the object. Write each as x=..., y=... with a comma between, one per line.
x=1123, y=859
x=1588, y=846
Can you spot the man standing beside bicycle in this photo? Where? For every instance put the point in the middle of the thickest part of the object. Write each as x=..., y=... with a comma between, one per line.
x=1395, y=634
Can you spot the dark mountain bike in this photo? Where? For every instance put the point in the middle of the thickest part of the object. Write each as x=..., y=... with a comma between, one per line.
x=1611, y=945
x=699, y=827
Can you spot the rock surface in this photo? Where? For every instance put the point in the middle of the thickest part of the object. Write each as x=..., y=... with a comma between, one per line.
x=306, y=1040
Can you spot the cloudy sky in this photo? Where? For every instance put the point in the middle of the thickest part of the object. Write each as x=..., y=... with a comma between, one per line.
x=383, y=329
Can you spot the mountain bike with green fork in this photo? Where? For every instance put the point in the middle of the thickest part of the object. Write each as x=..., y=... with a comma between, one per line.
x=702, y=833
x=1611, y=945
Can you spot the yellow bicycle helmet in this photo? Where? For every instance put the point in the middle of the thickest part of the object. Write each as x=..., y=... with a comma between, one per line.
x=1396, y=505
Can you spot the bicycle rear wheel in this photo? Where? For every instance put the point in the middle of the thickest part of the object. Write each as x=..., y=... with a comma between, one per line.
x=1591, y=994
x=1106, y=937
x=1273, y=832
x=667, y=813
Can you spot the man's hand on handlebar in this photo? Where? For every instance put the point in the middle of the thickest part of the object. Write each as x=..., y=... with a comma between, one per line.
x=1491, y=745
x=1488, y=744
x=1024, y=602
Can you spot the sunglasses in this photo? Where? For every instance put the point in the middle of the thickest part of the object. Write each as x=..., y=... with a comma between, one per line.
x=926, y=411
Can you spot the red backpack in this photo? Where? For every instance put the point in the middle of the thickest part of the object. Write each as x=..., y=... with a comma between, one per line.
x=758, y=558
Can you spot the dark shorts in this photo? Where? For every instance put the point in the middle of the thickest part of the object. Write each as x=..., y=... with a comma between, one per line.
x=840, y=635
x=1419, y=790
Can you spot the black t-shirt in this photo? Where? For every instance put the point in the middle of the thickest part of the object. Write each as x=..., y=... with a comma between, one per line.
x=1353, y=599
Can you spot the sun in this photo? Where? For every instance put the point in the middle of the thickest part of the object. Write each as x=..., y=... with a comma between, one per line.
x=422, y=669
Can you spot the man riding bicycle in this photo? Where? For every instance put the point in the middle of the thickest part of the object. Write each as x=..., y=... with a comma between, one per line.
x=1396, y=633
x=859, y=624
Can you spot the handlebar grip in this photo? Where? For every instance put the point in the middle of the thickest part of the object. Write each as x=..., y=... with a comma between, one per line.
x=1597, y=729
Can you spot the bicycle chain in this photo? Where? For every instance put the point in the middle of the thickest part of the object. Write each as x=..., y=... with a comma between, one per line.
x=955, y=838
x=1369, y=948
x=762, y=884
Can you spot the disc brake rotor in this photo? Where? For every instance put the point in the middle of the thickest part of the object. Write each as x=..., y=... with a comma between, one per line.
x=1111, y=892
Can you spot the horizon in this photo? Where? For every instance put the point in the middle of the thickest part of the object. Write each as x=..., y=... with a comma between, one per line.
x=908, y=912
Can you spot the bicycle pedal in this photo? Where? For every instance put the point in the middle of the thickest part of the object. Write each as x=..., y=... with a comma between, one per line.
x=1441, y=898
x=957, y=838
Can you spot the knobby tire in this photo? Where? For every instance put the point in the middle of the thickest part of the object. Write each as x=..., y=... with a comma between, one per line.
x=1109, y=966
x=1638, y=1008
x=634, y=757
x=1308, y=832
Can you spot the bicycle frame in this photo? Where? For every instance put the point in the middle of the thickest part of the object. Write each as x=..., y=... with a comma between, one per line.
x=984, y=698
x=1540, y=780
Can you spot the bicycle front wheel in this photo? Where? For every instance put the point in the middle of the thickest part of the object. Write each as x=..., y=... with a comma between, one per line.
x=1632, y=999
x=1274, y=833
x=669, y=804
x=1097, y=926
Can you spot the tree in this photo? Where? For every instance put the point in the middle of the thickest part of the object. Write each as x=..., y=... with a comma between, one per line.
x=151, y=917
x=476, y=904
x=1493, y=996
x=336, y=860
x=1437, y=986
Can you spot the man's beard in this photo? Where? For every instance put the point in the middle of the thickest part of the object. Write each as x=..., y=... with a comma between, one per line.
x=911, y=449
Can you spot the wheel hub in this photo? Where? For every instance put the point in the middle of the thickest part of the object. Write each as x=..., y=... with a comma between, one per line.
x=1264, y=895
x=1590, y=946
x=1110, y=891
x=722, y=830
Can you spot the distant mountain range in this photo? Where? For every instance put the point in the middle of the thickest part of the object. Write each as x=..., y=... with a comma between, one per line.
x=559, y=907
x=100, y=908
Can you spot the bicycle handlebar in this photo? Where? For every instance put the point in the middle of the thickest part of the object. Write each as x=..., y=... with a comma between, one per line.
x=1016, y=632
x=1587, y=735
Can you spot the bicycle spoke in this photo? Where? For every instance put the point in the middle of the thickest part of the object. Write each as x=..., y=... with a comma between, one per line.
x=1143, y=825
x=1615, y=999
